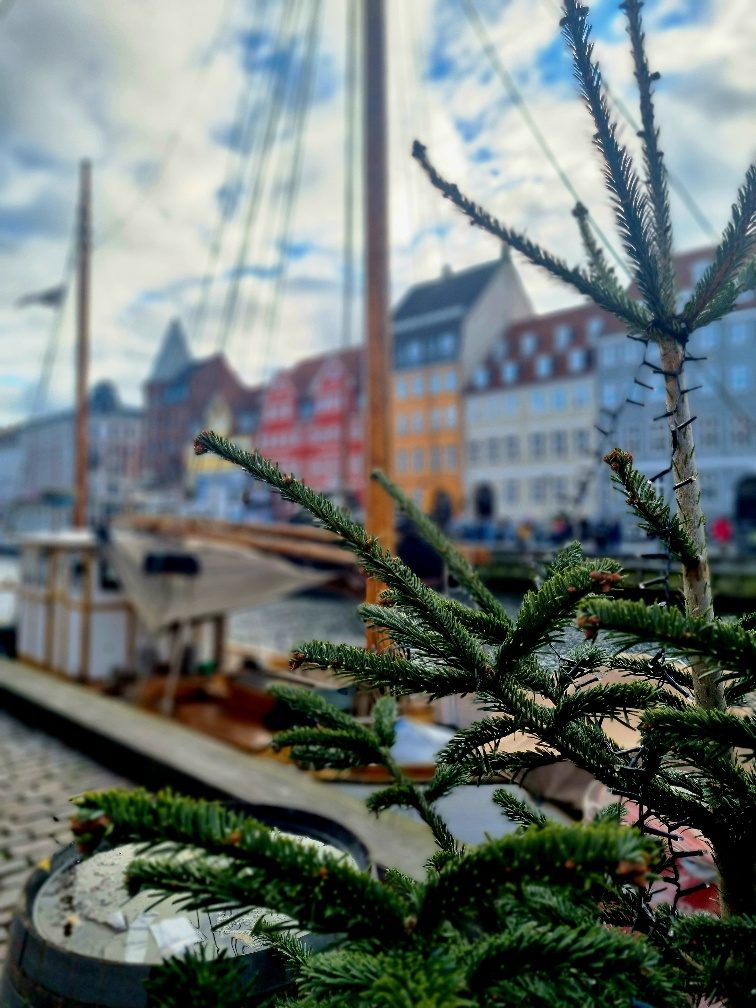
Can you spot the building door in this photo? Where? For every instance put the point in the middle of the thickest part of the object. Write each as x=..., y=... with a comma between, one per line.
x=484, y=501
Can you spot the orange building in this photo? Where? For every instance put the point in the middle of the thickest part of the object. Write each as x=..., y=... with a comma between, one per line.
x=441, y=329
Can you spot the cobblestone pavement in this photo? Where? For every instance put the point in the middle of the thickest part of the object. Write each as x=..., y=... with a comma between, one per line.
x=38, y=774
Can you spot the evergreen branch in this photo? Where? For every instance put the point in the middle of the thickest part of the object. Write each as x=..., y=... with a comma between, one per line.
x=473, y=747
x=655, y=169
x=545, y=612
x=314, y=746
x=723, y=950
x=381, y=670
x=653, y=513
x=384, y=721
x=517, y=810
x=551, y=964
x=517, y=765
x=488, y=629
x=609, y=700
x=317, y=887
x=733, y=252
x=445, y=780
x=725, y=644
x=406, y=630
x=671, y=729
x=628, y=311
x=312, y=708
x=556, y=855
x=456, y=564
x=376, y=561
x=614, y=813
x=194, y=980
x=601, y=271
x=318, y=900
x=631, y=209
x=395, y=795
x=570, y=555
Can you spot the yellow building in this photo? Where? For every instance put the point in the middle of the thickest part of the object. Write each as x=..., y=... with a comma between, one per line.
x=441, y=330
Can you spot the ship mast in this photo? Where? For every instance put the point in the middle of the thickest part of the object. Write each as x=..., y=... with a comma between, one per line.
x=379, y=511
x=81, y=453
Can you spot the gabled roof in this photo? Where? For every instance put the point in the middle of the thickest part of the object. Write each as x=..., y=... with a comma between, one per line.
x=173, y=356
x=450, y=290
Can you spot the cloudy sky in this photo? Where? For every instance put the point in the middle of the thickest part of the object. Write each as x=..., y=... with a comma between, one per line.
x=171, y=99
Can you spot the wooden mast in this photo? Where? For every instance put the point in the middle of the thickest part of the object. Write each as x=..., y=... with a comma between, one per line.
x=82, y=346
x=379, y=511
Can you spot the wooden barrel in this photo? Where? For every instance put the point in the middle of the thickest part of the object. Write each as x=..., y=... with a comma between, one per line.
x=40, y=974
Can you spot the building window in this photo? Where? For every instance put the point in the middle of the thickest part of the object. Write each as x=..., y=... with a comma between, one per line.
x=436, y=382
x=435, y=419
x=538, y=490
x=435, y=459
x=451, y=457
x=528, y=343
x=559, y=400
x=451, y=416
x=742, y=431
x=537, y=401
x=610, y=354
x=577, y=360
x=418, y=460
x=417, y=421
x=698, y=269
x=402, y=423
x=509, y=371
x=562, y=336
x=451, y=380
x=737, y=378
x=413, y=352
x=446, y=344
x=706, y=338
x=581, y=396
x=581, y=442
x=544, y=366
x=493, y=449
x=401, y=388
x=511, y=404
x=537, y=445
x=659, y=439
x=610, y=395
x=709, y=428
x=511, y=491
x=473, y=450
x=403, y=460
x=739, y=331
x=632, y=439
x=595, y=327
x=558, y=443
x=709, y=485
x=480, y=378
x=418, y=385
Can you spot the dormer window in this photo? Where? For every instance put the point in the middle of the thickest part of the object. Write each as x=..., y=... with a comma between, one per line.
x=528, y=343
x=480, y=378
x=562, y=336
x=509, y=372
x=577, y=360
x=595, y=327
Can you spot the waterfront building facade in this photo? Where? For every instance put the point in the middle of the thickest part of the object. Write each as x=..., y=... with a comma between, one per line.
x=530, y=412
x=46, y=451
x=441, y=330
x=723, y=393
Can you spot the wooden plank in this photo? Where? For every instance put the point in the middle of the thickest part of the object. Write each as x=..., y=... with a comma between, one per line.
x=391, y=839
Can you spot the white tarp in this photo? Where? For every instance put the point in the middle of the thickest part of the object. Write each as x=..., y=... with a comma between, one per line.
x=229, y=578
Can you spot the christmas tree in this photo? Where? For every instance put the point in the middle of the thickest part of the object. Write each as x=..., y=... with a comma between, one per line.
x=552, y=915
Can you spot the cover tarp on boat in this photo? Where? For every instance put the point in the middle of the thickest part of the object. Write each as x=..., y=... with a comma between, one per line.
x=226, y=577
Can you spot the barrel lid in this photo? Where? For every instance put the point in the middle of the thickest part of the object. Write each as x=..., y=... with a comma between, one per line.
x=84, y=908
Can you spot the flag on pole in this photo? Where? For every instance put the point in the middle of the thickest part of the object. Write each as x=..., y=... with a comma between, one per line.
x=53, y=297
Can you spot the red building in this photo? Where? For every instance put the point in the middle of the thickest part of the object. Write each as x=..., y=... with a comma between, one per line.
x=178, y=395
x=311, y=422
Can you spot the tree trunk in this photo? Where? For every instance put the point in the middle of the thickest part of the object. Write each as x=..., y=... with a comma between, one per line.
x=696, y=576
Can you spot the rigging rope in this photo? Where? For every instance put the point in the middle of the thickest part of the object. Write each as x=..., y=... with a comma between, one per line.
x=39, y=396
x=247, y=135
x=303, y=102
x=121, y=222
x=291, y=11
x=519, y=102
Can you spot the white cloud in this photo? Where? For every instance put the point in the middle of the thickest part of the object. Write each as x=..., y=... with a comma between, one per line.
x=145, y=87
